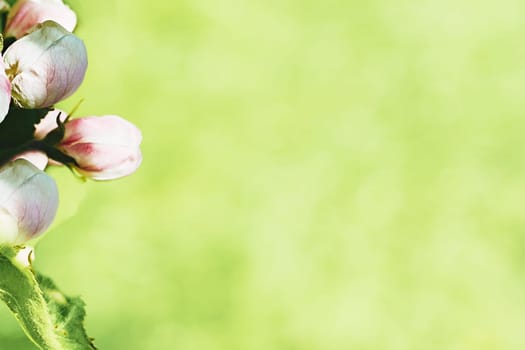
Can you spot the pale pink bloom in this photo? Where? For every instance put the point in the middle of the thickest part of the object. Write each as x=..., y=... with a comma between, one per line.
x=5, y=92
x=46, y=66
x=104, y=148
x=48, y=123
x=37, y=158
x=28, y=202
x=44, y=127
x=25, y=14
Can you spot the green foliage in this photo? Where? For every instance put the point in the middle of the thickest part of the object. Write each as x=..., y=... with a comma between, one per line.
x=52, y=320
x=19, y=125
x=17, y=129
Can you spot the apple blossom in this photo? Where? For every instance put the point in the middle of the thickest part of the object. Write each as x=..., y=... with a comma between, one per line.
x=41, y=64
x=28, y=202
x=49, y=123
x=37, y=158
x=104, y=148
x=25, y=14
x=5, y=92
x=46, y=66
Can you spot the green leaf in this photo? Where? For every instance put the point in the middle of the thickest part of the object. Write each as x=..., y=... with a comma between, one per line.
x=17, y=130
x=18, y=126
x=52, y=320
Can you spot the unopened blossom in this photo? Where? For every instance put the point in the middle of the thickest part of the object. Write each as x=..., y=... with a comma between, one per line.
x=45, y=66
x=25, y=14
x=28, y=202
x=104, y=148
x=37, y=158
x=5, y=92
x=49, y=123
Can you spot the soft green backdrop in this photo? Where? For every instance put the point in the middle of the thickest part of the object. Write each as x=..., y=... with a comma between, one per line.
x=317, y=175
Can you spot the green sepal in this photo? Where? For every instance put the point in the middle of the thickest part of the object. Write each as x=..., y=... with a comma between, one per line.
x=52, y=320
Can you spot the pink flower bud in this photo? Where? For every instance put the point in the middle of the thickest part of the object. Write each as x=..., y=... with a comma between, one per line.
x=5, y=92
x=37, y=158
x=49, y=123
x=28, y=202
x=104, y=148
x=25, y=14
x=45, y=66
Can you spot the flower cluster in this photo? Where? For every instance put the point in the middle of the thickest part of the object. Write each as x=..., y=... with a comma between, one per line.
x=42, y=63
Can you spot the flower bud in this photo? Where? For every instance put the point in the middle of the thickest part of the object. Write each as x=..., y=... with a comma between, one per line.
x=37, y=158
x=49, y=123
x=5, y=92
x=25, y=14
x=28, y=202
x=45, y=66
x=104, y=148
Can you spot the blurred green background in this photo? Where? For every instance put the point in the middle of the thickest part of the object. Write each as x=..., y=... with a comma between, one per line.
x=317, y=175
